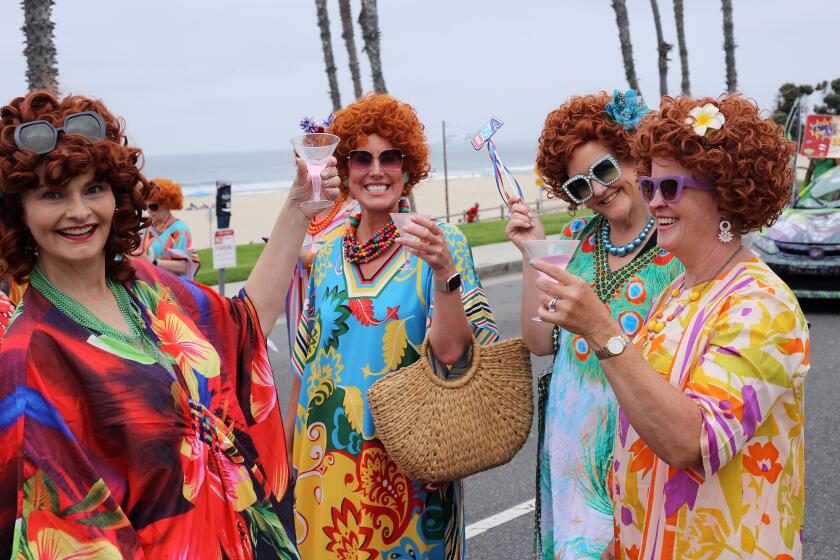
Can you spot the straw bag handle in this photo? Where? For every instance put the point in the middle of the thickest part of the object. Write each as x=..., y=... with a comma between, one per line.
x=463, y=379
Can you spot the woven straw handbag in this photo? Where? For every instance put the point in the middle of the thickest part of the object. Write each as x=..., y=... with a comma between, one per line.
x=438, y=430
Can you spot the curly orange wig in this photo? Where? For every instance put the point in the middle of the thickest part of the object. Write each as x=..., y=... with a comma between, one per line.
x=747, y=159
x=393, y=120
x=112, y=161
x=579, y=120
x=168, y=194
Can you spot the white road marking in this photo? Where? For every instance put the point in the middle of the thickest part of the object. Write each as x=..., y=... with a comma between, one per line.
x=500, y=518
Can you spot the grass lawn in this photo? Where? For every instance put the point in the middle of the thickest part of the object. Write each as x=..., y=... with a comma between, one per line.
x=479, y=233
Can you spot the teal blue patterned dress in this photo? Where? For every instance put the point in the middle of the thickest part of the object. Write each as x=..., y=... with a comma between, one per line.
x=351, y=499
x=577, y=406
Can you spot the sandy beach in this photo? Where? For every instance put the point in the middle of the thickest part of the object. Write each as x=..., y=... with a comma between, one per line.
x=253, y=215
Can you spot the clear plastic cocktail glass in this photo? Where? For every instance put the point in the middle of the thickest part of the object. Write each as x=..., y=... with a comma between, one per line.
x=401, y=220
x=557, y=252
x=314, y=149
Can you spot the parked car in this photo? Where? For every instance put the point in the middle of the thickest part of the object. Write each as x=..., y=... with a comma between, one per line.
x=803, y=246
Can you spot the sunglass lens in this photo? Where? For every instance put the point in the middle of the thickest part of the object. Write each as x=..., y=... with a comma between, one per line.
x=606, y=172
x=39, y=137
x=360, y=159
x=579, y=189
x=669, y=188
x=646, y=186
x=391, y=159
x=153, y=207
x=86, y=125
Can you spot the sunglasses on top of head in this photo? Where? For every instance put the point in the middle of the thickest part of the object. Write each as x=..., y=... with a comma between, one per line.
x=389, y=160
x=42, y=136
x=670, y=187
x=605, y=170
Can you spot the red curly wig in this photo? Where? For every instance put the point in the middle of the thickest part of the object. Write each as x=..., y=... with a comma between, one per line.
x=112, y=161
x=747, y=159
x=168, y=194
x=581, y=119
x=393, y=120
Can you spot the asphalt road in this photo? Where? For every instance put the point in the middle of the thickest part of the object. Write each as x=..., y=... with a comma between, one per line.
x=495, y=492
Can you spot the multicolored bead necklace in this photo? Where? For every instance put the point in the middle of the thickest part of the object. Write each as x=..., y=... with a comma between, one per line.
x=628, y=248
x=373, y=248
x=656, y=325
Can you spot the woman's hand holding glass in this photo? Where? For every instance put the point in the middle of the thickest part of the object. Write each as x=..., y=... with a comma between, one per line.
x=523, y=224
x=568, y=301
x=430, y=245
x=301, y=189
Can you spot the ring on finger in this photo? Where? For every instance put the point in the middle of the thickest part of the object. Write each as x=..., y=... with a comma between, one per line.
x=551, y=303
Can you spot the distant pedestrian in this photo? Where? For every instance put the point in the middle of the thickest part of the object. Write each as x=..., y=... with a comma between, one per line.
x=167, y=241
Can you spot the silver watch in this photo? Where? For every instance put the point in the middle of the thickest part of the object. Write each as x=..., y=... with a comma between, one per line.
x=449, y=285
x=614, y=347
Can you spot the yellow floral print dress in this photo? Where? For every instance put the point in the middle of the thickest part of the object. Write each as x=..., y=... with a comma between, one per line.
x=740, y=353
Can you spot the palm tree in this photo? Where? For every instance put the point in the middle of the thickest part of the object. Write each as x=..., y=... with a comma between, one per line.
x=729, y=46
x=350, y=42
x=41, y=70
x=326, y=44
x=662, y=48
x=369, y=22
x=685, y=86
x=623, y=22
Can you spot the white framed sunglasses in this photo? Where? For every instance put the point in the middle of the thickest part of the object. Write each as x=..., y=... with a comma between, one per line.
x=605, y=170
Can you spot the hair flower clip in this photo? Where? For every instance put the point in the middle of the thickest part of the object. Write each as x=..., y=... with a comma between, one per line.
x=309, y=124
x=705, y=117
x=627, y=108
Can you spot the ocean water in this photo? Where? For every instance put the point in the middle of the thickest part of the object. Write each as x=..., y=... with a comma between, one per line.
x=255, y=172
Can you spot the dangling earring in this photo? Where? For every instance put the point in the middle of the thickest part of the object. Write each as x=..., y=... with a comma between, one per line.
x=345, y=182
x=406, y=176
x=725, y=233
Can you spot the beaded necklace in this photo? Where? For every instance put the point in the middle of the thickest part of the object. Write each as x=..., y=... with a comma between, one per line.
x=656, y=325
x=316, y=226
x=373, y=248
x=628, y=248
x=608, y=283
x=137, y=337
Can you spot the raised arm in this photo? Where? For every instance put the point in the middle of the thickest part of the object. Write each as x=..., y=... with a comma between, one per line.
x=270, y=278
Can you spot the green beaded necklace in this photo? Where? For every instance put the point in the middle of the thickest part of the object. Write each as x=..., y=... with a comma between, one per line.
x=138, y=337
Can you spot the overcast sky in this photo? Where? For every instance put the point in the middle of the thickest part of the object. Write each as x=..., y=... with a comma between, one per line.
x=196, y=76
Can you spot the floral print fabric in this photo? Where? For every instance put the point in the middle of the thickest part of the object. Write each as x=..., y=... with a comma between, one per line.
x=351, y=500
x=105, y=454
x=575, y=452
x=740, y=352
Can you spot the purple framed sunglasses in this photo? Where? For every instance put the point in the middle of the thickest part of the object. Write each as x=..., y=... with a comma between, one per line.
x=670, y=186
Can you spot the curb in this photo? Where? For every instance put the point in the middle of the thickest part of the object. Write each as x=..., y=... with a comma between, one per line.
x=498, y=269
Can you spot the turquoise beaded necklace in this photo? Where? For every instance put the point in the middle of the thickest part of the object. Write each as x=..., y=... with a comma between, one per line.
x=137, y=337
x=630, y=247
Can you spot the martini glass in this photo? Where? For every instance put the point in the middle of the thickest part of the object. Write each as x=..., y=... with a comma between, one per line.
x=557, y=252
x=401, y=220
x=314, y=149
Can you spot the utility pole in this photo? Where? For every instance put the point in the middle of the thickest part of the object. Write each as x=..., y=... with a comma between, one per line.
x=445, y=171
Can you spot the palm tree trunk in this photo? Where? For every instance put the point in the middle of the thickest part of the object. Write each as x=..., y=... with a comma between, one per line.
x=41, y=69
x=662, y=48
x=326, y=43
x=369, y=22
x=623, y=22
x=350, y=42
x=729, y=46
x=685, y=86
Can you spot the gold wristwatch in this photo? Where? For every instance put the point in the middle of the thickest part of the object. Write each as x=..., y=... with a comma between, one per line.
x=614, y=347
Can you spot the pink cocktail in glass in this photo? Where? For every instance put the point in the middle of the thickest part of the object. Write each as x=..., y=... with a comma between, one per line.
x=557, y=252
x=314, y=149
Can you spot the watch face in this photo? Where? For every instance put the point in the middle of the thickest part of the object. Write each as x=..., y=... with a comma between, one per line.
x=454, y=282
x=615, y=345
